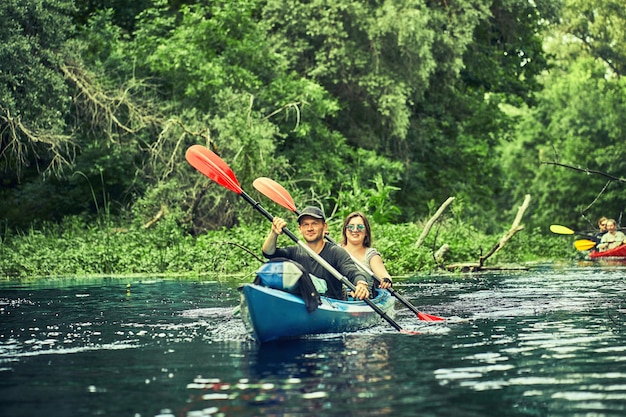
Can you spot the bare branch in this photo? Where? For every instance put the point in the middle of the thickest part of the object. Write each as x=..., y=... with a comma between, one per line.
x=20, y=138
x=515, y=227
x=597, y=197
x=587, y=171
x=432, y=220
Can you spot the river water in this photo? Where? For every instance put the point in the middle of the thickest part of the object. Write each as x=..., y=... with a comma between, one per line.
x=547, y=342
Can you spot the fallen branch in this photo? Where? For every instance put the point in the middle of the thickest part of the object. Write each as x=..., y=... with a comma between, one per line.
x=156, y=217
x=515, y=227
x=479, y=266
x=441, y=252
x=432, y=220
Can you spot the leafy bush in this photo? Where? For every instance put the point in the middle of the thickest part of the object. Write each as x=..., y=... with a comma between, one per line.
x=78, y=246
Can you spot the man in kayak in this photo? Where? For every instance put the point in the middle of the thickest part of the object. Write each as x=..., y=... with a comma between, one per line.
x=602, y=228
x=312, y=225
x=612, y=238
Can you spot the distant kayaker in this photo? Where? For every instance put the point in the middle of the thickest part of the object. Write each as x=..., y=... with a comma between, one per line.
x=602, y=228
x=612, y=238
x=357, y=240
x=312, y=225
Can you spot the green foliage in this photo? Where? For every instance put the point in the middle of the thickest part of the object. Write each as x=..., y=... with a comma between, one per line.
x=579, y=121
x=386, y=107
x=278, y=89
x=123, y=12
x=105, y=47
x=241, y=94
x=377, y=202
x=197, y=57
x=396, y=243
x=402, y=104
x=31, y=86
x=76, y=247
x=599, y=24
x=535, y=245
x=34, y=96
x=79, y=247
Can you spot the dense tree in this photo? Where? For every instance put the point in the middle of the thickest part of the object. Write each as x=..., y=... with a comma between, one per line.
x=596, y=27
x=419, y=83
x=345, y=101
x=35, y=139
x=232, y=85
x=34, y=96
x=124, y=13
x=578, y=121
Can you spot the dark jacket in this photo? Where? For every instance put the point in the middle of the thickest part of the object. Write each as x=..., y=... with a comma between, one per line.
x=336, y=256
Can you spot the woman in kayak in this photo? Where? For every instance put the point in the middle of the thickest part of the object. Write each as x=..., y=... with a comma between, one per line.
x=357, y=240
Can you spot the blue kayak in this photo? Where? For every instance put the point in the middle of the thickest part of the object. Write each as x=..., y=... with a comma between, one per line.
x=271, y=314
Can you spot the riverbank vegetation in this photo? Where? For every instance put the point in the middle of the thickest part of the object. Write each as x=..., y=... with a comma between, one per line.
x=386, y=107
x=75, y=247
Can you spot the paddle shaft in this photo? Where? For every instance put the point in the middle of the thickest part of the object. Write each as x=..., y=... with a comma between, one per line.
x=590, y=237
x=368, y=271
x=320, y=260
x=407, y=303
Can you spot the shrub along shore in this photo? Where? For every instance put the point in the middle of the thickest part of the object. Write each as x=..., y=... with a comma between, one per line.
x=79, y=248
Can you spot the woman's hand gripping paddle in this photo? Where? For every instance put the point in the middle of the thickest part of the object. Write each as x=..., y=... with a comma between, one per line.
x=212, y=166
x=278, y=194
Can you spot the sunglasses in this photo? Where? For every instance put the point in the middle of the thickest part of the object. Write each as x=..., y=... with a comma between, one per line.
x=357, y=227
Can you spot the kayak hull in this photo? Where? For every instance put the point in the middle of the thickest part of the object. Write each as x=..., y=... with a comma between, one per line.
x=271, y=314
x=615, y=253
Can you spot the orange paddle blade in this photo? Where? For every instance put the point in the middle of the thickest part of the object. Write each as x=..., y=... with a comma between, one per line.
x=275, y=192
x=429, y=317
x=212, y=166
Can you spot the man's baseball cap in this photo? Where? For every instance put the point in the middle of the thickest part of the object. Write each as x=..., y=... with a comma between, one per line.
x=312, y=212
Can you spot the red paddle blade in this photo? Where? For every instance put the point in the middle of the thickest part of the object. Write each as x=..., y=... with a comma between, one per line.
x=211, y=165
x=429, y=317
x=275, y=192
x=411, y=332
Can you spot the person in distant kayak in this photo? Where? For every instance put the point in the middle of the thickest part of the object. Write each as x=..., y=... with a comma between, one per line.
x=312, y=225
x=357, y=240
x=602, y=228
x=612, y=238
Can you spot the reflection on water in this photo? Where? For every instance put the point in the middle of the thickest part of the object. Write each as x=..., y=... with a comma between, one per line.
x=305, y=376
x=548, y=342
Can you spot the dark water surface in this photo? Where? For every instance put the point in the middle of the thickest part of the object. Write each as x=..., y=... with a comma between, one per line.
x=549, y=342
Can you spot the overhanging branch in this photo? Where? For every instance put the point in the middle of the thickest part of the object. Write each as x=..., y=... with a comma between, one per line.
x=587, y=171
